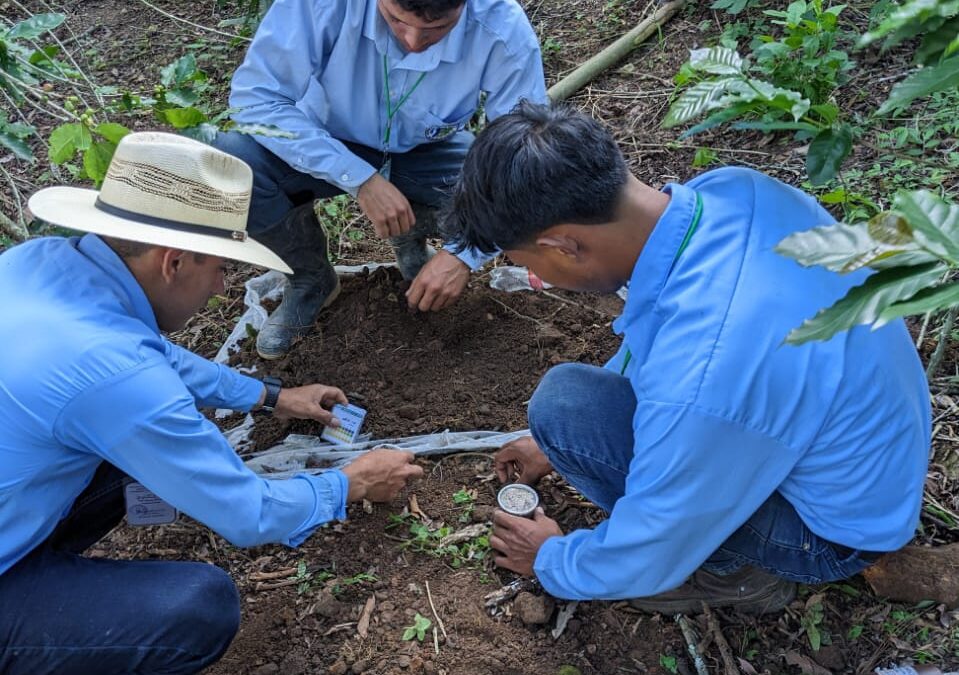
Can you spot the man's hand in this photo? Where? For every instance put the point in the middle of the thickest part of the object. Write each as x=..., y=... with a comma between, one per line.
x=385, y=206
x=380, y=474
x=521, y=461
x=309, y=402
x=518, y=539
x=439, y=284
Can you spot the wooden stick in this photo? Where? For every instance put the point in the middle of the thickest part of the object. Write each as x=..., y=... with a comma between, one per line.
x=729, y=663
x=691, y=641
x=592, y=67
x=429, y=597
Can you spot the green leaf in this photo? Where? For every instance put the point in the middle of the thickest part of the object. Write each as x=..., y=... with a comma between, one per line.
x=695, y=100
x=35, y=26
x=924, y=81
x=777, y=126
x=938, y=44
x=935, y=223
x=827, y=111
x=267, y=130
x=111, y=131
x=203, y=132
x=716, y=60
x=839, y=248
x=181, y=71
x=13, y=143
x=44, y=56
x=827, y=152
x=865, y=303
x=717, y=118
x=66, y=140
x=184, y=97
x=181, y=118
x=926, y=300
x=96, y=160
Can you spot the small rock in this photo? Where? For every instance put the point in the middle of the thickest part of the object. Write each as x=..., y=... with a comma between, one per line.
x=429, y=667
x=533, y=609
x=416, y=664
x=267, y=669
x=591, y=649
x=830, y=657
x=403, y=661
x=338, y=668
x=408, y=412
x=360, y=666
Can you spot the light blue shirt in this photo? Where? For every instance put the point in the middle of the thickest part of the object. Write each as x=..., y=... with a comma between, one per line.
x=727, y=414
x=315, y=68
x=86, y=377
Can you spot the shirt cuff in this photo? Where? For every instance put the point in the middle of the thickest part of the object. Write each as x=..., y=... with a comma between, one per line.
x=546, y=560
x=471, y=257
x=246, y=390
x=330, y=489
x=350, y=173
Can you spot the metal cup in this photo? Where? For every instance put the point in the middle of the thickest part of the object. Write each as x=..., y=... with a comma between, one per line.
x=518, y=499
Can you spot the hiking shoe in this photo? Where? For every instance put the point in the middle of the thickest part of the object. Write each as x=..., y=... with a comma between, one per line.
x=748, y=590
x=295, y=316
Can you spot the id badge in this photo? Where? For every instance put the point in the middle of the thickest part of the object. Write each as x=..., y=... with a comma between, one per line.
x=145, y=508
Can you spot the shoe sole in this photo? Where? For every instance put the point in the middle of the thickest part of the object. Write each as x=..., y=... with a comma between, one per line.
x=273, y=356
x=773, y=601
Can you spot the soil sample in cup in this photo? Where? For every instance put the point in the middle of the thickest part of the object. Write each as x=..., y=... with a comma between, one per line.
x=518, y=499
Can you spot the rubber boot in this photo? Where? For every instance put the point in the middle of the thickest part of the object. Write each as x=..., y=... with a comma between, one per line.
x=301, y=241
x=410, y=248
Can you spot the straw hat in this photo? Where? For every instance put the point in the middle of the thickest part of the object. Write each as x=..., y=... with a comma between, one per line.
x=166, y=190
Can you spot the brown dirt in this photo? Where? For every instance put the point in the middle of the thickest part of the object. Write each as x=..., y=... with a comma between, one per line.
x=471, y=367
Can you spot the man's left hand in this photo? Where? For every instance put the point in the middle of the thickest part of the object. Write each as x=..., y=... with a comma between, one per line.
x=518, y=539
x=439, y=284
x=309, y=402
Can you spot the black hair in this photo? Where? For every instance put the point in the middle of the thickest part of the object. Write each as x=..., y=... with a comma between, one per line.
x=536, y=167
x=430, y=10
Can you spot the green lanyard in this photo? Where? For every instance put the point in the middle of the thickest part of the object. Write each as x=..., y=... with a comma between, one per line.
x=697, y=215
x=391, y=111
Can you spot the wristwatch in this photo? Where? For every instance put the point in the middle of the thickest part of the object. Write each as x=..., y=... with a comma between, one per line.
x=273, y=386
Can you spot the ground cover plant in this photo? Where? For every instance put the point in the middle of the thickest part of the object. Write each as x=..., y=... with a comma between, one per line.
x=387, y=591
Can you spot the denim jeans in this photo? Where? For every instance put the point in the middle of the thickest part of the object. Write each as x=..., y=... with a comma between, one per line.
x=63, y=613
x=425, y=175
x=595, y=459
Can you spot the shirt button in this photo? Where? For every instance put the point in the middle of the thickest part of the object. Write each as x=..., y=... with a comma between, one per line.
x=345, y=177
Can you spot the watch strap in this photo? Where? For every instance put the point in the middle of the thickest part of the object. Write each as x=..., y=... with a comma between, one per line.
x=273, y=386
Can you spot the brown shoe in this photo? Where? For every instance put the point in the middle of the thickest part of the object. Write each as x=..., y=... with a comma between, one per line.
x=748, y=590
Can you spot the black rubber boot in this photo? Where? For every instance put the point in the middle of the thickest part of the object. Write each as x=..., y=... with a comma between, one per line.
x=301, y=241
x=411, y=249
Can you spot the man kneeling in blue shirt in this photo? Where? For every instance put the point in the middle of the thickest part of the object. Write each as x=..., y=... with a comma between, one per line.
x=378, y=94
x=92, y=397
x=731, y=465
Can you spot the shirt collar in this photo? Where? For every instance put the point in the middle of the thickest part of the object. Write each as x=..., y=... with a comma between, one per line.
x=128, y=290
x=449, y=49
x=658, y=255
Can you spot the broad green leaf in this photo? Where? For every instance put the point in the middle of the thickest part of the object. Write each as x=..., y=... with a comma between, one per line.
x=935, y=223
x=181, y=71
x=181, y=118
x=892, y=229
x=777, y=126
x=926, y=300
x=716, y=60
x=751, y=89
x=840, y=247
x=15, y=145
x=907, y=21
x=184, y=97
x=903, y=259
x=939, y=43
x=35, y=26
x=44, y=56
x=268, y=130
x=827, y=152
x=66, y=140
x=96, y=160
x=924, y=81
x=203, y=132
x=111, y=131
x=717, y=118
x=864, y=304
x=695, y=100
x=827, y=111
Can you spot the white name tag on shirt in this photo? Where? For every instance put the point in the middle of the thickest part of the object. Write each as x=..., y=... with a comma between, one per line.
x=145, y=508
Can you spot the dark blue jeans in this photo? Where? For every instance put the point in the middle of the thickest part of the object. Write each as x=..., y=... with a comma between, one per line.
x=63, y=613
x=425, y=175
x=595, y=459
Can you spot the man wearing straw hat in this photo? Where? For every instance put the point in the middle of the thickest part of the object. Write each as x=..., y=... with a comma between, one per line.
x=97, y=406
x=378, y=94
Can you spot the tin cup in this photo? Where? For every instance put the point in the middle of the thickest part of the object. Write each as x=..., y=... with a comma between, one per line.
x=518, y=499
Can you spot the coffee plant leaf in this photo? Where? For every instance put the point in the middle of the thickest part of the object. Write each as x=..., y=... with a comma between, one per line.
x=932, y=299
x=34, y=27
x=68, y=139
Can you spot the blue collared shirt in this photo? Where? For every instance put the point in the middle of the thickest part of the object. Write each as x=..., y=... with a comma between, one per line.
x=315, y=68
x=86, y=377
x=727, y=414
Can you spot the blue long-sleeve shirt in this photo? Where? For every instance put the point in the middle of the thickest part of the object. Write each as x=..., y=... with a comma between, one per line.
x=316, y=68
x=86, y=377
x=727, y=414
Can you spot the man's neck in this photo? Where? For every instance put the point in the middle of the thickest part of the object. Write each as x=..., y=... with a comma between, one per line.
x=640, y=209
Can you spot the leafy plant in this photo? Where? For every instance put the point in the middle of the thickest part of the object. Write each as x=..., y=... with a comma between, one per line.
x=734, y=6
x=913, y=250
x=937, y=21
x=465, y=498
x=418, y=630
x=669, y=663
x=811, y=621
x=722, y=86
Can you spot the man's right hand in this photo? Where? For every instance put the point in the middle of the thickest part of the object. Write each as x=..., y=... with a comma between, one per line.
x=380, y=474
x=385, y=206
x=521, y=461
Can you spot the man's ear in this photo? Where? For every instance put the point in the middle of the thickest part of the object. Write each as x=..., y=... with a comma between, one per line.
x=562, y=244
x=171, y=260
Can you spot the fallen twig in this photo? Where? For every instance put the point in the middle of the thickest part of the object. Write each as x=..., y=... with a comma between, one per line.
x=508, y=592
x=429, y=596
x=278, y=574
x=691, y=640
x=729, y=662
x=363, y=624
x=279, y=584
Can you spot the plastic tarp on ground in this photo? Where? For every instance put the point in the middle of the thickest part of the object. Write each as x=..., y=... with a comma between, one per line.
x=298, y=453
